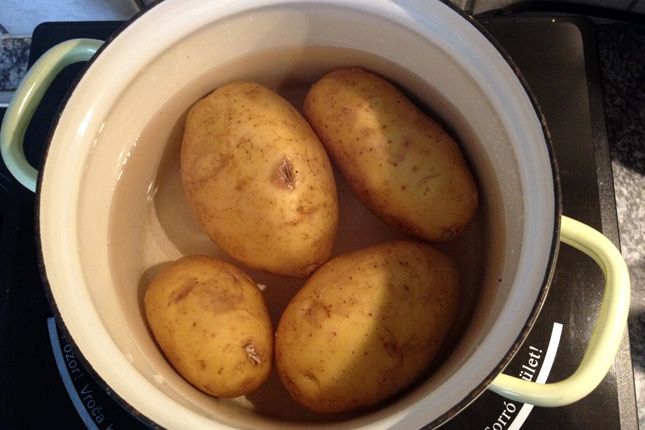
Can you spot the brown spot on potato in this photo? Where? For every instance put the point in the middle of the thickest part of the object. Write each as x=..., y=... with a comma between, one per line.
x=392, y=348
x=427, y=178
x=241, y=184
x=182, y=293
x=222, y=300
x=307, y=210
x=254, y=357
x=291, y=387
x=317, y=312
x=218, y=164
x=284, y=176
x=310, y=376
x=251, y=90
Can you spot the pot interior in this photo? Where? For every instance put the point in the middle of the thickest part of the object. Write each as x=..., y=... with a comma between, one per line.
x=167, y=229
x=128, y=215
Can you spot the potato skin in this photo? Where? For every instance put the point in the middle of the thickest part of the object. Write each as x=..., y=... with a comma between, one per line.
x=259, y=180
x=401, y=164
x=210, y=320
x=366, y=325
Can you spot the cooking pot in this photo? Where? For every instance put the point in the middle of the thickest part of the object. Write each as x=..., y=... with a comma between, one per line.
x=111, y=208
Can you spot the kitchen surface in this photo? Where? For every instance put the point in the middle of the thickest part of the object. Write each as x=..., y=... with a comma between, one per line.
x=618, y=34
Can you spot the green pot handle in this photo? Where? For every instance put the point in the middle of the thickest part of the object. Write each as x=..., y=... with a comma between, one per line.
x=607, y=334
x=27, y=97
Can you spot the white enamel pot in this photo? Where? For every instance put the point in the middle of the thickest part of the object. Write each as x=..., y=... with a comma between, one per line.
x=110, y=207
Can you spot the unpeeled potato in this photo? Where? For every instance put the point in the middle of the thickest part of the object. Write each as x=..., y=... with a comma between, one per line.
x=366, y=325
x=398, y=161
x=210, y=321
x=259, y=180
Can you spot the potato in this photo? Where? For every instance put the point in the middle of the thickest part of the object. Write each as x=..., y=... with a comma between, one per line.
x=366, y=325
x=210, y=320
x=401, y=164
x=259, y=180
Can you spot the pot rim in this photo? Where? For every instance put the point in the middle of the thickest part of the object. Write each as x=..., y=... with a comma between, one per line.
x=555, y=240
x=60, y=322
x=475, y=392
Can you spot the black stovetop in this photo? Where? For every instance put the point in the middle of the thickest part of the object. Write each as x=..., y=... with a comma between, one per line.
x=42, y=383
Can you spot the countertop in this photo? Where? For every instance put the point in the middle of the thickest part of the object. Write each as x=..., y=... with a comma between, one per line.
x=622, y=61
